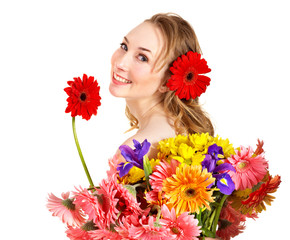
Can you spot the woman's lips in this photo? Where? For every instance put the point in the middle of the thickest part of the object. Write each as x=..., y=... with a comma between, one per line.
x=117, y=79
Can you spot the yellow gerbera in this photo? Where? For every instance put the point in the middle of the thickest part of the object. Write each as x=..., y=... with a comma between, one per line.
x=154, y=163
x=168, y=146
x=181, y=139
x=187, y=190
x=186, y=152
x=200, y=141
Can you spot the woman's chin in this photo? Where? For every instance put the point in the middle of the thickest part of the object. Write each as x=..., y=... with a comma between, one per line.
x=115, y=92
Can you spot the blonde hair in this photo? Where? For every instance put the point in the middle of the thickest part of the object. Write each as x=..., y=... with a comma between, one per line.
x=179, y=36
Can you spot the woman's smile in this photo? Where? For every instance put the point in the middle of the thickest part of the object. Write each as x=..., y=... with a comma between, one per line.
x=118, y=80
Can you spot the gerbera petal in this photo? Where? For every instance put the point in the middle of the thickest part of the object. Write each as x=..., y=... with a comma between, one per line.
x=202, y=67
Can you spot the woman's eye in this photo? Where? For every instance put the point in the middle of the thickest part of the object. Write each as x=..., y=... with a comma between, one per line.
x=124, y=46
x=142, y=58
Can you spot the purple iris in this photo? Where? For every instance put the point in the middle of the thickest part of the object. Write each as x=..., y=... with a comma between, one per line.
x=211, y=158
x=224, y=181
x=133, y=157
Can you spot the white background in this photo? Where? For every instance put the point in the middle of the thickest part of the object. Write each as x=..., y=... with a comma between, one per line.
x=46, y=43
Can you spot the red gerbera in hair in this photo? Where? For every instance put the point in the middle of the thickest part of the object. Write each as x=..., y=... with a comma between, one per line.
x=186, y=79
x=84, y=98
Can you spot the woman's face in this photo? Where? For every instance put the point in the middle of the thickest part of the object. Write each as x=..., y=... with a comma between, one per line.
x=133, y=74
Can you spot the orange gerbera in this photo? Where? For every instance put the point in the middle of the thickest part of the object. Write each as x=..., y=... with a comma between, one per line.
x=187, y=190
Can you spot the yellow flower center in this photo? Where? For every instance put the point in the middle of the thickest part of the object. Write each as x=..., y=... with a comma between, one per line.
x=242, y=165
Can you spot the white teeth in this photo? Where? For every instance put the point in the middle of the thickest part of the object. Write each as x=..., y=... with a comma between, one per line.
x=121, y=79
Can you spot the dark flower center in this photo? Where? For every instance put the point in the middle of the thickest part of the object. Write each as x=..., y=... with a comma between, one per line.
x=224, y=224
x=189, y=76
x=89, y=226
x=175, y=230
x=190, y=192
x=83, y=97
x=68, y=203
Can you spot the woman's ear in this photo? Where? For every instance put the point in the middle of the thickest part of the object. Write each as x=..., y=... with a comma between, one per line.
x=163, y=88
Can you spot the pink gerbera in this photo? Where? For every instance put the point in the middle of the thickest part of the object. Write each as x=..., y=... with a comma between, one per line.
x=70, y=213
x=184, y=227
x=162, y=171
x=150, y=231
x=105, y=234
x=127, y=203
x=81, y=233
x=99, y=205
x=109, y=201
x=125, y=223
x=250, y=168
x=113, y=164
x=88, y=203
x=152, y=196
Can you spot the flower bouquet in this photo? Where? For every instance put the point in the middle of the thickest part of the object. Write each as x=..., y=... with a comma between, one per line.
x=198, y=186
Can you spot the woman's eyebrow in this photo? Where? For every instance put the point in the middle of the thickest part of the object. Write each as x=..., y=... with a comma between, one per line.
x=126, y=39
x=145, y=49
x=141, y=48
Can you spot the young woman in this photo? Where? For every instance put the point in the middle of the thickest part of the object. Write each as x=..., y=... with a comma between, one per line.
x=140, y=72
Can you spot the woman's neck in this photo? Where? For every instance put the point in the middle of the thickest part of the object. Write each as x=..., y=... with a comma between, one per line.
x=144, y=109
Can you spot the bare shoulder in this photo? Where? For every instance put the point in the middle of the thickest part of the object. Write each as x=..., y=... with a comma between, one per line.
x=159, y=128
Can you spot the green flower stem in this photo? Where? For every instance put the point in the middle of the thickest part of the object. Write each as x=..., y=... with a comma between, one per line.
x=212, y=218
x=80, y=153
x=218, y=211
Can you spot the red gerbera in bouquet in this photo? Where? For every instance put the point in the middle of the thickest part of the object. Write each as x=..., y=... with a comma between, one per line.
x=186, y=79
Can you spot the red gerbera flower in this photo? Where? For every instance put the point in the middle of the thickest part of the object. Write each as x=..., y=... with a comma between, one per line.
x=84, y=98
x=186, y=79
x=231, y=223
x=257, y=199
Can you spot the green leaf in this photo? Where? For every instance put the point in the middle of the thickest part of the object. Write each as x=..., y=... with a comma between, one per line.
x=208, y=233
x=147, y=169
x=131, y=189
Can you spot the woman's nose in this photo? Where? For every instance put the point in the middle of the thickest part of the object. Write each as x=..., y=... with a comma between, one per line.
x=123, y=62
